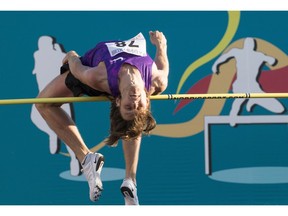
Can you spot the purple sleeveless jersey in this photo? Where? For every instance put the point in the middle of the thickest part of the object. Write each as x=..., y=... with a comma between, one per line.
x=113, y=64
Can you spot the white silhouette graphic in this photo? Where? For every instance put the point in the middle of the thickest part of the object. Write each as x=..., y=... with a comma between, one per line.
x=48, y=60
x=248, y=64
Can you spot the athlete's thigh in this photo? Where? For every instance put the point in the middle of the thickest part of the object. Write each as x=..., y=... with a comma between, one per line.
x=56, y=88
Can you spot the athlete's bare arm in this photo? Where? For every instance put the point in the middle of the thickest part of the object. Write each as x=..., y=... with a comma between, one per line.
x=95, y=77
x=160, y=69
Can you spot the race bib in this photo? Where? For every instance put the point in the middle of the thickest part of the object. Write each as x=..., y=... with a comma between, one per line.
x=135, y=46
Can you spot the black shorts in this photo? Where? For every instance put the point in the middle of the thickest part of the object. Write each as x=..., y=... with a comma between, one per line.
x=77, y=87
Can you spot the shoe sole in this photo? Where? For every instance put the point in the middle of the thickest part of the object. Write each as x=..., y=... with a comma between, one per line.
x=100, y=163
x=126, y=192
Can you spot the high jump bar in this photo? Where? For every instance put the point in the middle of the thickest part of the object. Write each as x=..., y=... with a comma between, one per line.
x=154, y=97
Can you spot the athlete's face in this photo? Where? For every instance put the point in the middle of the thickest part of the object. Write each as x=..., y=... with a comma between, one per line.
x=131, y=102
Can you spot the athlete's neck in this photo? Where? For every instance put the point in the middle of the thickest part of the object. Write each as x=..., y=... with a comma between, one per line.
x=130, y=78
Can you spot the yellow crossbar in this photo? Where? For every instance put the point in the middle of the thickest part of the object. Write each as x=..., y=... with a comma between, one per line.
x=155, y=97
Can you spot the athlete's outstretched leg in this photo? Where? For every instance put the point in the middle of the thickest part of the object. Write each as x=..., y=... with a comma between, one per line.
x=58, y=120
x=128, y=188
x=63, y=125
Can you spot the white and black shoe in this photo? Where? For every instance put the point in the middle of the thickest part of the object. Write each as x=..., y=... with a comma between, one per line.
x=92, y=167
x=129, y=191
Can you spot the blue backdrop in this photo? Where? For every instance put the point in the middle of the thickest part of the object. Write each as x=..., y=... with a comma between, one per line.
x=171, y=169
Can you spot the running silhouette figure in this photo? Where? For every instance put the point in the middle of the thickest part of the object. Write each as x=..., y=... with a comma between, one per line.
x=248, y=65
x=48, y=59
